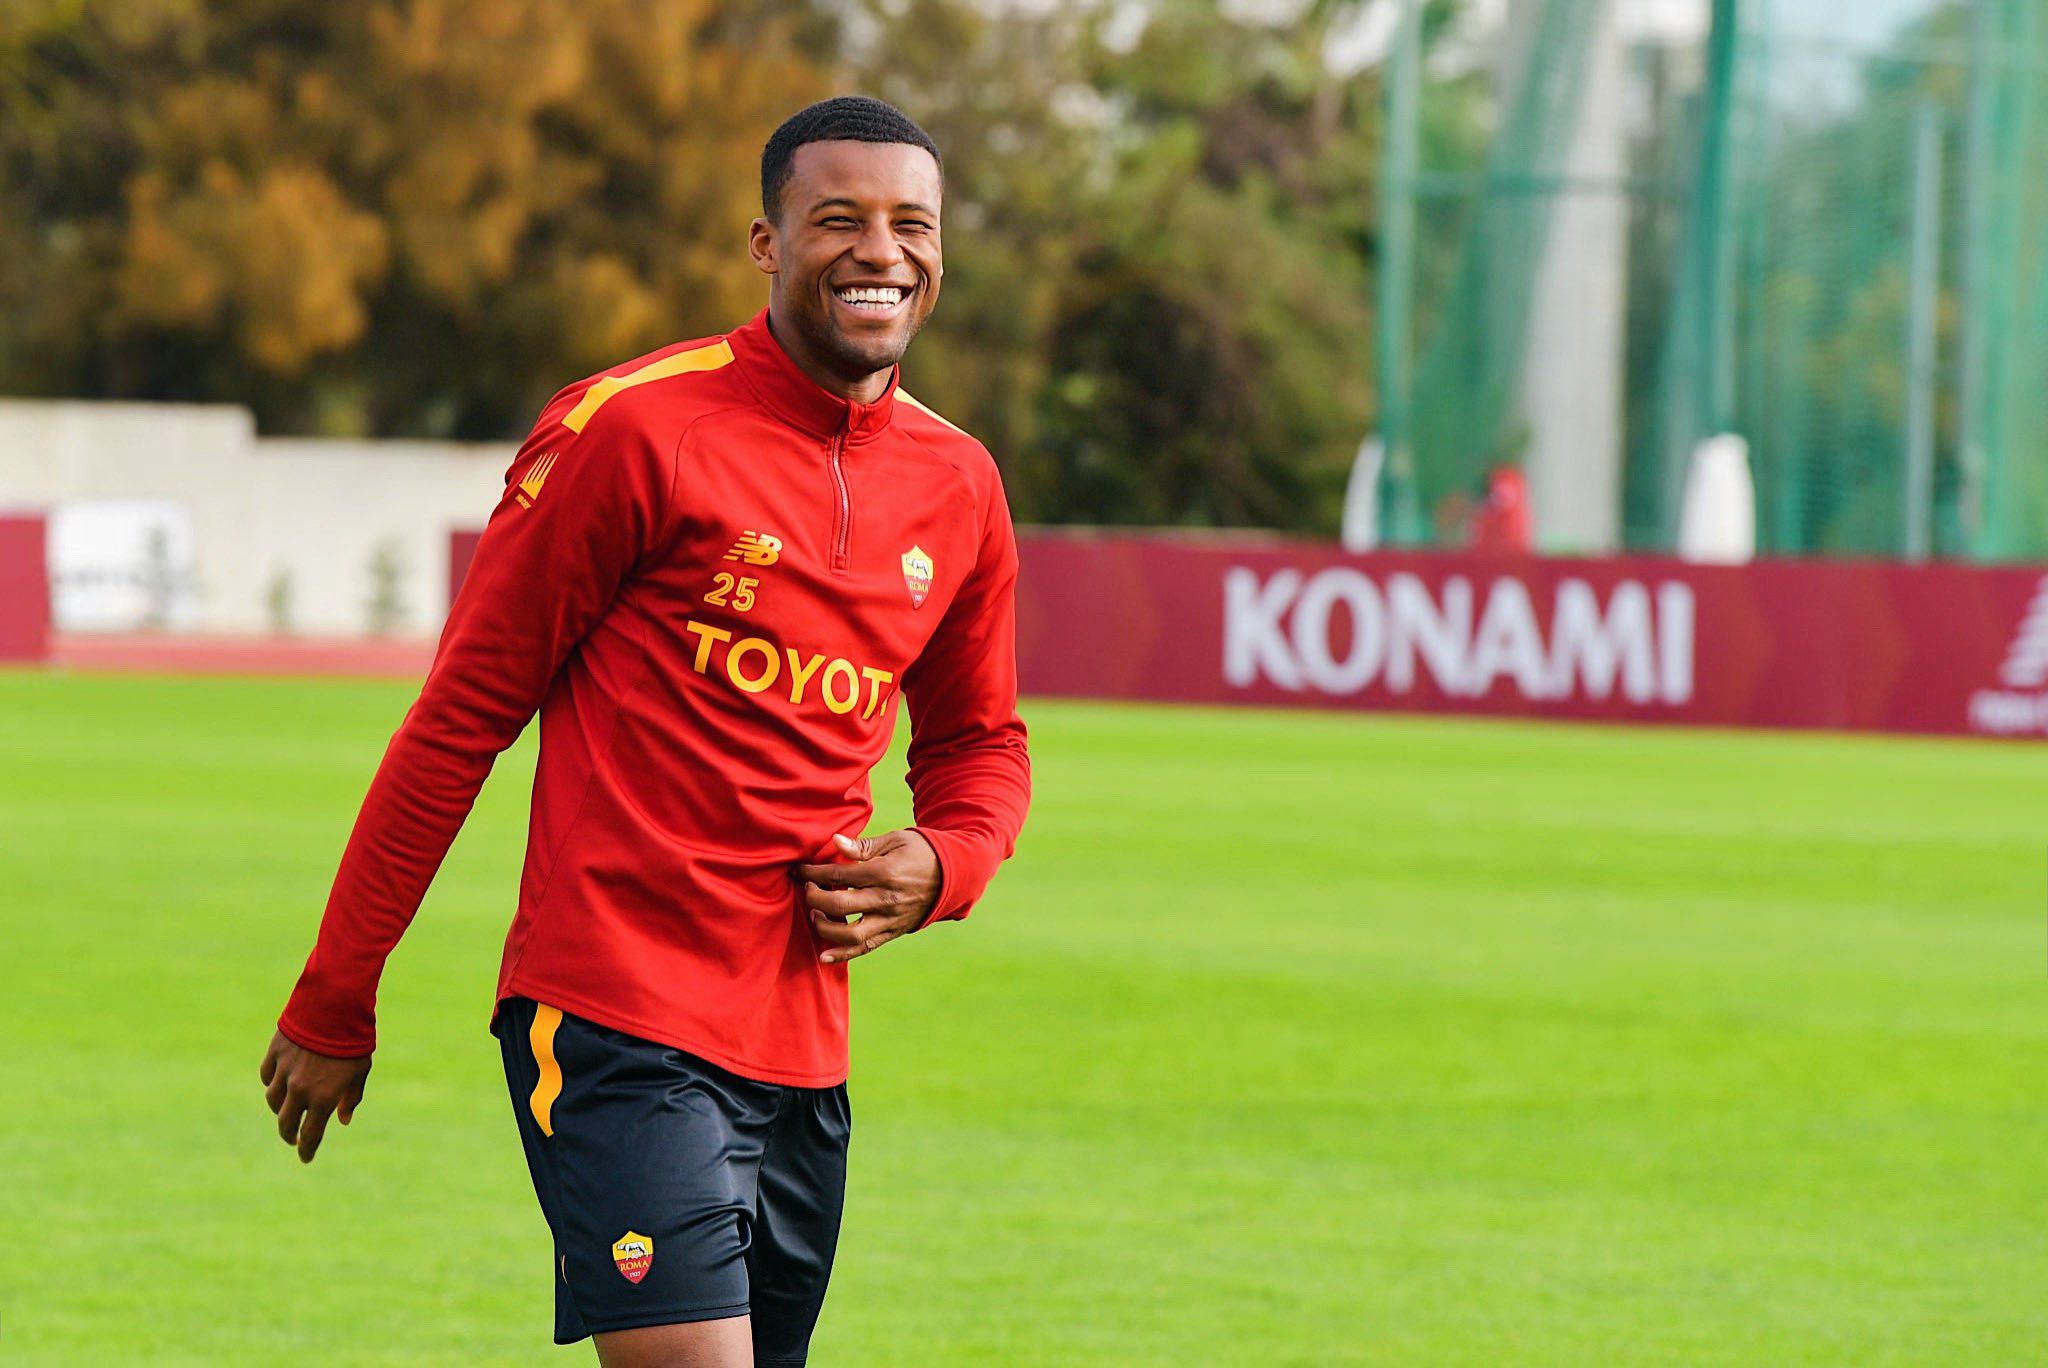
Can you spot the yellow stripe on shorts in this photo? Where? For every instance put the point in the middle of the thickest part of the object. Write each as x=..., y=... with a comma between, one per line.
x=546, y=1020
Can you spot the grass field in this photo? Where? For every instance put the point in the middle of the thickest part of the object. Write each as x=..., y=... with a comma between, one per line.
x=1287, y=1039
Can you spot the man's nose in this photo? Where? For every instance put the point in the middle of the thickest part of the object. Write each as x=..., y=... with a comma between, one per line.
x=878, y=246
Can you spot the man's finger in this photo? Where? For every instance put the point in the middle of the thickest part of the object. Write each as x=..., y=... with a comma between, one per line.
x=346, y=1112
x=310, y=1133
x=865, y=875
x=280, y=1085
x=872, y=942
x=288, y=1117
x=269, y=1063
x=856, y=847
x=843, y=903
x=835, y=933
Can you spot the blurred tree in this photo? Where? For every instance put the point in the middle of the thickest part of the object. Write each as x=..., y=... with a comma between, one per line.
x=1158, y=216
x=384, y=611
x=277, y=601
x=1004, y=93
x=414, y=217
x=422, y=216
x=1211, y=362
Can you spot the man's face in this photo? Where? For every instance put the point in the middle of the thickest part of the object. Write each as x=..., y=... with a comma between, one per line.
x=854, y=253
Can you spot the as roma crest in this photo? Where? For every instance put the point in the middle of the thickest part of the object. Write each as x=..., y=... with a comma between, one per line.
x=917, y=575
x=634, y=1254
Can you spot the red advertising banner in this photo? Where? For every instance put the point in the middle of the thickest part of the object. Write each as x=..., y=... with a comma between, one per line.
x=1839, y=644
x=24, y=588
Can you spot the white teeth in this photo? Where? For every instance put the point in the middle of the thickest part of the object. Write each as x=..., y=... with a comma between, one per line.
x=886, y=295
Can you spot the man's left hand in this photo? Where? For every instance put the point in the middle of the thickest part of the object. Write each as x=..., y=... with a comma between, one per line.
x=891, y=881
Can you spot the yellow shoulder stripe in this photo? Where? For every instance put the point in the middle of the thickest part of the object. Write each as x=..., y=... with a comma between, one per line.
x=906, y=397
x=681, y=363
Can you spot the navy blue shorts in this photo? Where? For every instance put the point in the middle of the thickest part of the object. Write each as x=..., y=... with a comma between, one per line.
x=676, y=1190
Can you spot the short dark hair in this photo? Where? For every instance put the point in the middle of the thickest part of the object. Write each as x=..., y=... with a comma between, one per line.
x=845, y=118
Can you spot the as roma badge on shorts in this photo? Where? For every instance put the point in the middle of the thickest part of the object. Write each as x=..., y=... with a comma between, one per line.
x=917, y=575
x=634, y=1254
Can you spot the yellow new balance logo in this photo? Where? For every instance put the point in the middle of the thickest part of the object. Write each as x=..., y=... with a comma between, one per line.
x=536, y=476
x=755, y=548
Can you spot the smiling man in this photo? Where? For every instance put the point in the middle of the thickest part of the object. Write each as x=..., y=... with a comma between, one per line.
x=712, y=572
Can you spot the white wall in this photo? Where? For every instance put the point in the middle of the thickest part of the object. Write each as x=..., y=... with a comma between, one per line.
x=316, y=508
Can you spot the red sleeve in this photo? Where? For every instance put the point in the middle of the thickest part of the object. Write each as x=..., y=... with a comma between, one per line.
x=578, y=512
x=970, y=774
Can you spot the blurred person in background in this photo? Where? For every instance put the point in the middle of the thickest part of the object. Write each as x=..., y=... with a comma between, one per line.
x=1502, y=521
x=712, y=571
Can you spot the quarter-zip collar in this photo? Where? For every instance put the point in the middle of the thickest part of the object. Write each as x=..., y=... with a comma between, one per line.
x=799, y=400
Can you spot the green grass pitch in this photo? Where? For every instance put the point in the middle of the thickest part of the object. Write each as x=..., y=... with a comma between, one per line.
x=1286, y=1039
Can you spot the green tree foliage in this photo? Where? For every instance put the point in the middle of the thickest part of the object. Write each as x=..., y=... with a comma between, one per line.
x=1157, y=302
x=1218, y=326
x=1004, y=96
x=420, y=217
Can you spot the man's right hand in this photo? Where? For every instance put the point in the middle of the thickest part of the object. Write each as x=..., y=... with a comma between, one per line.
x=304, y=1089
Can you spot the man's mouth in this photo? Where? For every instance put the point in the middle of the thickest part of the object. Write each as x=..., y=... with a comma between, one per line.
x=871, y=301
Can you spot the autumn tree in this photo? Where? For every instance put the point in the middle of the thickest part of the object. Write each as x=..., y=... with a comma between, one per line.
x=421, y=217
x=388, y=218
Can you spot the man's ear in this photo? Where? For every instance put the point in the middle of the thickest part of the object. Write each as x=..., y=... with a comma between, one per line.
x=761, y=245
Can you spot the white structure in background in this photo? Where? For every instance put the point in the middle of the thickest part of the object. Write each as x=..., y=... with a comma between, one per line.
x=121, y=564
x=1361, y=530
x=254, y=530
x=1718, y=522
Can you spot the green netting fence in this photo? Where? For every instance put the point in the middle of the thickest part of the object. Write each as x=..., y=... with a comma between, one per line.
x=1834, y=243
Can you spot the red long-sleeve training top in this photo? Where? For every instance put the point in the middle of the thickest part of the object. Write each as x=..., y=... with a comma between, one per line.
x=712, y=578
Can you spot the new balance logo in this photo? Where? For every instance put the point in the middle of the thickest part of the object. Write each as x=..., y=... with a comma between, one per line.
x=755, y=548
x=536, y=476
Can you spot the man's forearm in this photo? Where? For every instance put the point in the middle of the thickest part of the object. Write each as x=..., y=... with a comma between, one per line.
x=422, y=793
x=545, y=570
x=970, y=805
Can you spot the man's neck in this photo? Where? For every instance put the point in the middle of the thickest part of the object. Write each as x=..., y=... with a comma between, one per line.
x=863, y=390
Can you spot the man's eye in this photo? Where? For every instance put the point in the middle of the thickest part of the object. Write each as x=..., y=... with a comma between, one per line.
x=915, y=225
x=837, y=220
